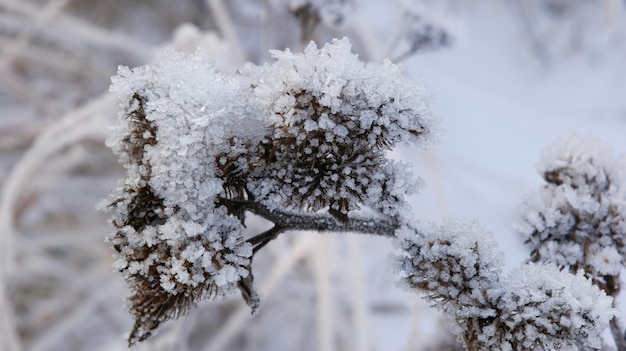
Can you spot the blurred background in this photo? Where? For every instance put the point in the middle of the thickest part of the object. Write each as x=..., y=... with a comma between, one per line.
x=508, y=77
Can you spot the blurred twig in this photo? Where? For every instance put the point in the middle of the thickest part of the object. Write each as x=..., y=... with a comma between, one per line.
x=66, y=26
x=358, y=299
x=9, y=340
x=323, y=292
x=85, y=121
x=524, y=15
x=227, y=29
x=85, y=311
x=40, y=20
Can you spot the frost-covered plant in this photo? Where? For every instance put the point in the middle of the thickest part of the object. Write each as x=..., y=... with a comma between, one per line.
x=302, y=142
x=284, y=141
x=535, y=307
x=576, y=221
x=175, y=244
x=332, y=117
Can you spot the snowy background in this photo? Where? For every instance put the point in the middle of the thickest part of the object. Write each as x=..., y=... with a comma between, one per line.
x=512, y=77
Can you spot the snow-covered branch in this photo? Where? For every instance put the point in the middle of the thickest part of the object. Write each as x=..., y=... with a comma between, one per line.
x=286, y=220
x=303, y=143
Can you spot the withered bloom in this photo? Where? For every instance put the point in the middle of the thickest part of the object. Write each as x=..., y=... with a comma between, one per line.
x=175, y=244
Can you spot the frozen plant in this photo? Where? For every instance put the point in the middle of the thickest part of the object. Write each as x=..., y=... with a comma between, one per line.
x=290, y=142
x=576, y=220
x=303, y=143
x=535, y=307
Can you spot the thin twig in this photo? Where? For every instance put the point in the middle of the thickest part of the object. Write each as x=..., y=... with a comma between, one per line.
x=19, y=44
x=226, y=28
x=81, y=123
x=286, y=220
x=68, y=26
x=537, y=46
x=262, y=239
x=358, y=300
x=266, y=235
x=9, y=340
x=324, y=294
x=619, y=334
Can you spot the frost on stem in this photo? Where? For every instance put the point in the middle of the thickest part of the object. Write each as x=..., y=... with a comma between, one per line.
x=288, y=141
x=536, y=307
x=576, y=220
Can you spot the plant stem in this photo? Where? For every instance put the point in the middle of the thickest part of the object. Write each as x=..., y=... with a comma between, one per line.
x=286, y=220
x=619, y=335
x=262, y=239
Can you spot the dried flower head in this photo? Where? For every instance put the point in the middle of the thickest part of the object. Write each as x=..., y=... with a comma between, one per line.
x=544, y=308
x=454, y=263
x=175, y=245
x=578, y=216
x=332, y=119
x=535, y=308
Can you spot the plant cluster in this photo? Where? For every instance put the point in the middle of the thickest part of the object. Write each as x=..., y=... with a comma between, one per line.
x=286, y=141
x=535, y=307
x=303, y=143
x=576, y=220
